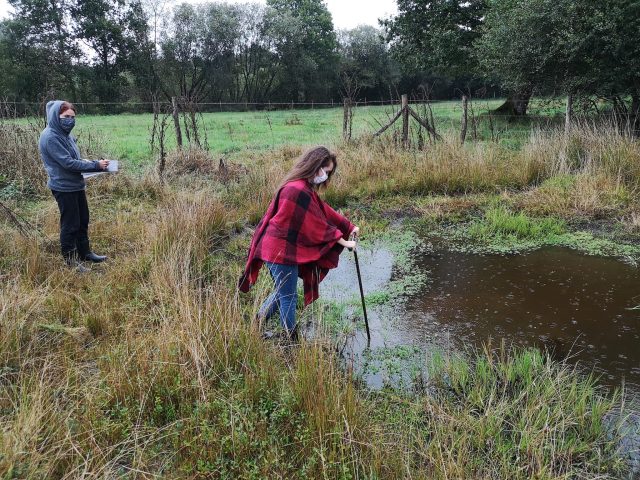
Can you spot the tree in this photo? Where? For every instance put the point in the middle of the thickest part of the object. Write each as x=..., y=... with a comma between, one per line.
x=42, y=46
x=112, y=30
x=437, y=36
x=542, y=44
x=309, y=59
x=365, y=61
x=441, y=37
x=263, y=33
x=198, y=51
x=6, y=79
x=618, y=53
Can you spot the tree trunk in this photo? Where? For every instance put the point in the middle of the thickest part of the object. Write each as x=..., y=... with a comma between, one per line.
x=516, y=104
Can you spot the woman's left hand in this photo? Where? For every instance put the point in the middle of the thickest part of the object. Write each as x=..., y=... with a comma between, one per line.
x=355, y=231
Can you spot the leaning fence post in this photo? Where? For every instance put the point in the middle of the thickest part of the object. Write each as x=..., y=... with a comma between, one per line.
x=405, y=121
x=463, y=129
x=176, y=121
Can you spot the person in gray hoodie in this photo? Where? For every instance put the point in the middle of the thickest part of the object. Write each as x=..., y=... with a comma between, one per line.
x=64, y=167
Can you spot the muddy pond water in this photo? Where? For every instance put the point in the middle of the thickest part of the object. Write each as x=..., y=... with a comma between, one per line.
x=582, y=307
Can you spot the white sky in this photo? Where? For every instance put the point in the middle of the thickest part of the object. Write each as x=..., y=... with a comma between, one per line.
x=346, y=13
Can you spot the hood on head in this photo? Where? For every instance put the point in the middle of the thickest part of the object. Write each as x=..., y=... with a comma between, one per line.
x=53, y=116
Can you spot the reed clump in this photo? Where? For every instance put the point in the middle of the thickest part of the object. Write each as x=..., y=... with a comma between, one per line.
x=21, y=169
x=503, y=407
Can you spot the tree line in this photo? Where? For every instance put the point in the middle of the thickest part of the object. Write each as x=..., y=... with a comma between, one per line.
x=119, y=51
x=135, y=50
x=586, y=50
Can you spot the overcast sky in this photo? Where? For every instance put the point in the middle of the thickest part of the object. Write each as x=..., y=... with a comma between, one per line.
x=346, y=13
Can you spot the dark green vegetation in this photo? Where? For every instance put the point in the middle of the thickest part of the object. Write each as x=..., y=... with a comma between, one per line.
x=577, y=48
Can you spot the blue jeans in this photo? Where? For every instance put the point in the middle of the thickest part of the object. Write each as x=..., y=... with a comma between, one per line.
x=285, y=295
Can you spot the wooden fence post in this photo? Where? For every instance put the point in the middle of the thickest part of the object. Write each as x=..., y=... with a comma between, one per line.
x=176, y=121
x=405, y=121
x=465, y=117
x=346, y=119
x=569, y=114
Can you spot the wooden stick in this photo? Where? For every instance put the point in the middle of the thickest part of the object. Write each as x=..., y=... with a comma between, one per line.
x=393, y=120
x=424, y=124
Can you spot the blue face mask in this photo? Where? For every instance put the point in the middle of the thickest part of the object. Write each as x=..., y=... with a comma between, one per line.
x=67, y=124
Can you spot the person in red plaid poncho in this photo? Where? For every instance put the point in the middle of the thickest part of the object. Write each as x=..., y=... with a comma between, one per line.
x=300, y=235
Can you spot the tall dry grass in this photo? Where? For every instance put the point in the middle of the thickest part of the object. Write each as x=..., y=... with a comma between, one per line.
x=20, y=164
x=174, y=377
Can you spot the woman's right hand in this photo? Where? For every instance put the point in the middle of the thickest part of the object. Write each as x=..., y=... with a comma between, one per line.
x=350, y=244
x=104, y=164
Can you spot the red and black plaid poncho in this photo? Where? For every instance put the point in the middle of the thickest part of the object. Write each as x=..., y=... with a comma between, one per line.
x=298, y=229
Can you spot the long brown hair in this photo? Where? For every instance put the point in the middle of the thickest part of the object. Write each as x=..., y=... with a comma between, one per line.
x=308, y=164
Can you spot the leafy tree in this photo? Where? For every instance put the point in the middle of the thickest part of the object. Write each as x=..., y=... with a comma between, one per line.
x=198, y=51
x=6, y=79
x=42, y=47
x=309, y=59
x=542, y=44
x=440, y=37
x=113, y=30
x=617, y=53
x=258, y=64
x=365, y=61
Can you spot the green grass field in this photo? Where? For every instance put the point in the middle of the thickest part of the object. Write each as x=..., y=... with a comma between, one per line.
x=127, y=136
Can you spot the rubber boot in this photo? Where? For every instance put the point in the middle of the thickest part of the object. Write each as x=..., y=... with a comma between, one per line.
x=92, y=257
x=85, y=253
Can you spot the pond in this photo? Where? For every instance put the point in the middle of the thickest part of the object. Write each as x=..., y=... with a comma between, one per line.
x=580, y=307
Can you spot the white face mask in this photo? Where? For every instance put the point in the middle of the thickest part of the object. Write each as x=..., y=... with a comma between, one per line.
x=322, y=178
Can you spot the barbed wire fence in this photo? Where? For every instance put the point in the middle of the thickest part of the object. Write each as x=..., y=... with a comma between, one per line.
x=409, y=122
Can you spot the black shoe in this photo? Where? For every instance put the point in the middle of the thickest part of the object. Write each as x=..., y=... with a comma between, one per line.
x=92, y=257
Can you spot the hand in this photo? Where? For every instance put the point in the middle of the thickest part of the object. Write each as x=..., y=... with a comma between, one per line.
x=350, y=244
x=355, y=231
x=104, y=164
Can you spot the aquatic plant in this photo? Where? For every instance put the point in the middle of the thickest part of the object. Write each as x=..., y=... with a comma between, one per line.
x=499, y=222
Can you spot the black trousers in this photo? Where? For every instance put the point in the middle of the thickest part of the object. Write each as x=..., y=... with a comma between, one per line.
x=74, y=222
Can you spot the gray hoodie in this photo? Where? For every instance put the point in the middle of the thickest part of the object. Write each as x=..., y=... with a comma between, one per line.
x=61, y=156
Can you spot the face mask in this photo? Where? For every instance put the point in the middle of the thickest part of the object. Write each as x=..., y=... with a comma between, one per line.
x=321, y=179
x=67, y=124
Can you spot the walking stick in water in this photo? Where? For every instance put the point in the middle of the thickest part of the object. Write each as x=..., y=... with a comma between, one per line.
x=364, y=306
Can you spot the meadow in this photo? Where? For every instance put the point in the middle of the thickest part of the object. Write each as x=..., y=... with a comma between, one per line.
x=152, y=365
x=126, y=136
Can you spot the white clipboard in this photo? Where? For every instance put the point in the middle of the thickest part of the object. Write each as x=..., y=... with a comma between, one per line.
x=114, y=166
